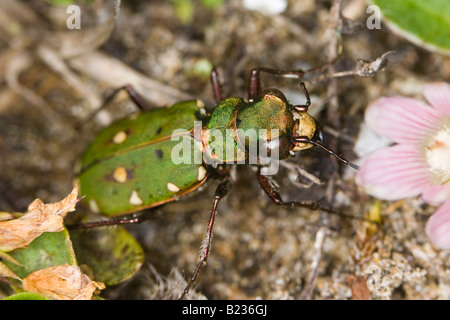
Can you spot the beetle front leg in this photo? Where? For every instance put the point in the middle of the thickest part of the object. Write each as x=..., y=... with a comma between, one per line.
x=303, y=107
x=221, y=192
x=254, y=86
x=275, y=196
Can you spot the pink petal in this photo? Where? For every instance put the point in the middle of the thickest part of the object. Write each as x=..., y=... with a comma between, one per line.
x=436, y=195
x=438, y=227
x=438, y=95
x=394, y=173
x=403, y=120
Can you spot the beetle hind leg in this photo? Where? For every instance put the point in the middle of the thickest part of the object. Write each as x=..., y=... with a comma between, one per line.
x=133, y=218
x=138, y=100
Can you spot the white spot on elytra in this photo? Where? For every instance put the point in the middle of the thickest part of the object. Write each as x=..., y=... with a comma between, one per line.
x=134, y=199
x=120, y=174
x=120, y=137
x=201, y=173
x=172, y=188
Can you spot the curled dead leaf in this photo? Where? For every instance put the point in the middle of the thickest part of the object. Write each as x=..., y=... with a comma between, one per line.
x=6, y=272
x=6, y=216
x=359, y=288
x=40, y=218
x=365, y=68
x=65, y=282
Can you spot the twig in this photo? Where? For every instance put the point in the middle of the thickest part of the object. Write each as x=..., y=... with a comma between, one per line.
x=16, y=65
x=333, y=52
x=318, y=246
x=115, y=74
x=364, y=68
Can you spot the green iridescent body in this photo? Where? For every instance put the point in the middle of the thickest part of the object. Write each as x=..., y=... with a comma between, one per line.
x=128, y=166
x=248, y=124
x=157, y=156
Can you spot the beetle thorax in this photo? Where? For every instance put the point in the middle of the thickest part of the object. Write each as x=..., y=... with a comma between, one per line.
x=272, y=121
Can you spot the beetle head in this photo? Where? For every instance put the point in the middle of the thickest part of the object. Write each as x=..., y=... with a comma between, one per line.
x=307, y=127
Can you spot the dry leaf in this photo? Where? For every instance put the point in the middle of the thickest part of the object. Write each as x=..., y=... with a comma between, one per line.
x=65, y=282
x=6, y=216
x=6, y=257
x=40, y=218
x=6, y=272
x=359, y=288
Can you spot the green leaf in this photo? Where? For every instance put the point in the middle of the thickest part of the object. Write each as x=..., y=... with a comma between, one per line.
x=48, y=250
x=26, y=296
x=6, y=272
x=7, y=257
x=425, y=23
x=184, y=10
x=202, y=68
x=211, y=4
x=60, y=2
x=112, y=254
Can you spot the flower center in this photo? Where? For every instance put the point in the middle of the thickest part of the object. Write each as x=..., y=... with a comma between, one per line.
x=438, y=153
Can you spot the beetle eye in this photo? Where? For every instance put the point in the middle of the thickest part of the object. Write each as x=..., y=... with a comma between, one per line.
x=318, y=134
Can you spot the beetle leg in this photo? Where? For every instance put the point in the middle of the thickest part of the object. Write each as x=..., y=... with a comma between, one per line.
x=275, y=196
x=133, y=218
x=303, y=107
x=221, y=192
x=254, y=86
x=136, y=97
x=216, y=85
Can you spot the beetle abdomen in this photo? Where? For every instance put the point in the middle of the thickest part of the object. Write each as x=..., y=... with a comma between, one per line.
x=129, y=166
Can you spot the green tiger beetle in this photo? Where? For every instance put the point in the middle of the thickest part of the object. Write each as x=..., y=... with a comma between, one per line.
x=136, y=163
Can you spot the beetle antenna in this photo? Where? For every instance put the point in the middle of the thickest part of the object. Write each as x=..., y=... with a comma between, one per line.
x=331, y=152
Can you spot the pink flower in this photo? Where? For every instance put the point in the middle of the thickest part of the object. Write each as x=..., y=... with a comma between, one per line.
x=419, y=161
